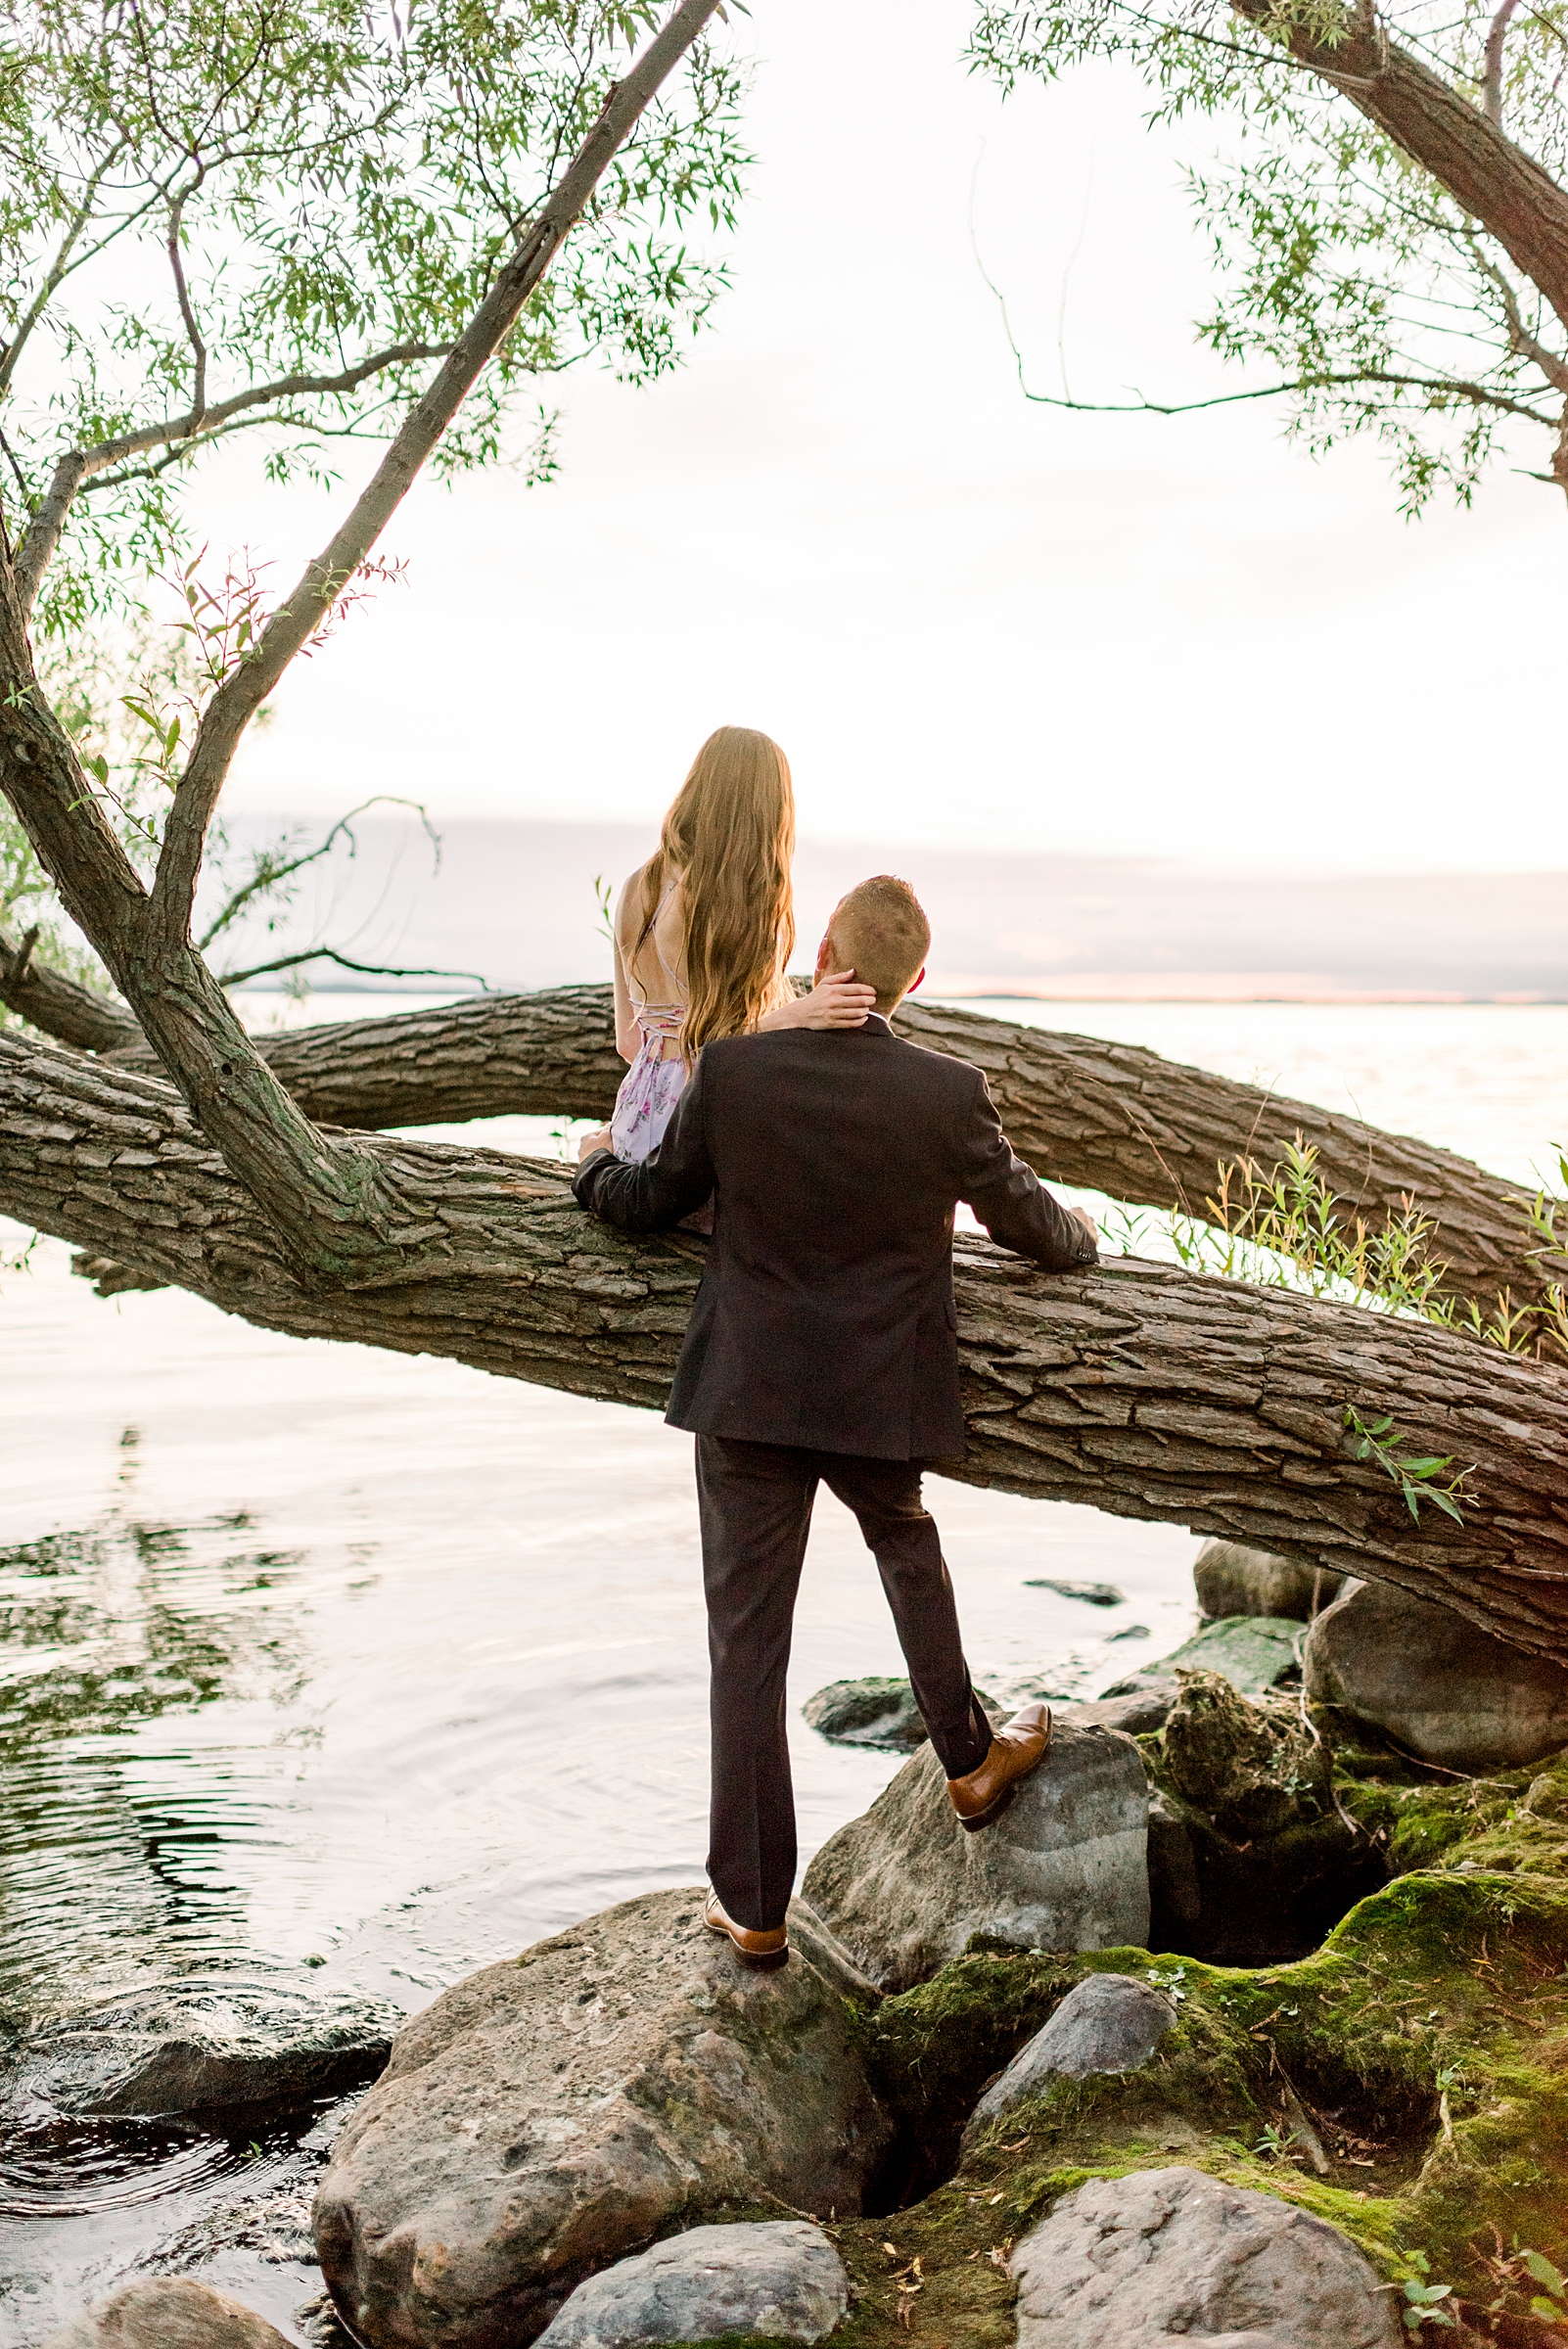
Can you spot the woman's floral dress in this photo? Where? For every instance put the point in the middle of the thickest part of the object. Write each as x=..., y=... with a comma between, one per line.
x=653, y=1084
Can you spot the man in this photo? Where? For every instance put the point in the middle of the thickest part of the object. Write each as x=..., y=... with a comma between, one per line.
x=822, y=1349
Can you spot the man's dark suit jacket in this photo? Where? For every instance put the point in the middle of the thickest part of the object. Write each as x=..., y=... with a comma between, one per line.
x=835, y=1158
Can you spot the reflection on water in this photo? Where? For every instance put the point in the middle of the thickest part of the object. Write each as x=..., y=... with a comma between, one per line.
x=368, y=1669
x=104, y=1633
x=82, y=2169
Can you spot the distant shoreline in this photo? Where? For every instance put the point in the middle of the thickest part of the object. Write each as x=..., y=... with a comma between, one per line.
x=1127, y=989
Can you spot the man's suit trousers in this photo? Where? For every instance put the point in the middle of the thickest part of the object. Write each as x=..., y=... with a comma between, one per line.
x=755, y=1510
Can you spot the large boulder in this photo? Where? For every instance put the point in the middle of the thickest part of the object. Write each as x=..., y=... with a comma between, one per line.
x=204, y=2042
x=550, y=2114
x=1232, y=1579
x=781, y=2278
x=1106, y=2024
x=1441, y=1687
x=168, y=2312
x=1065, y=1867
x=1126, y=2263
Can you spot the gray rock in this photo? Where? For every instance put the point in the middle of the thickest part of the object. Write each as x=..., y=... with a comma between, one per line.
x=1232, y=1579
x=874, y=1712
x=1126, y=2263
x=1176, y=1892
x=1253, y=1652
x=171, y=2313
x=546, y=2116
x=200, y=2043
x=1093, y=1594
x=1140, y=1704
x=1107, y=2023
x=1437, y=1684
x=904, y=1886
x=781, y=2278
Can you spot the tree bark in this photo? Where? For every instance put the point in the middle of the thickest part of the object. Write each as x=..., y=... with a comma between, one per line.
x=1512, y=196
x=59, y=1007
x=1137, y=1388
x=1108, y=1117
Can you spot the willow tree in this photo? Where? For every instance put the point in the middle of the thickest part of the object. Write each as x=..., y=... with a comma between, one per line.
x=1390, y=233
x=1150, y=1390
x=265, y=224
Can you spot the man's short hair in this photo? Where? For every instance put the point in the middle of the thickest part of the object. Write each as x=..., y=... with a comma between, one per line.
x=880, y=932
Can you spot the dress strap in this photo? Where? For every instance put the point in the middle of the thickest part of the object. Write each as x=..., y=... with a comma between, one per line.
x=652, y=933
x=659, y=1019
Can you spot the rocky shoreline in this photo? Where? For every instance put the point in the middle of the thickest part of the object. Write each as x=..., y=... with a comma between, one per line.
x=974, y=2109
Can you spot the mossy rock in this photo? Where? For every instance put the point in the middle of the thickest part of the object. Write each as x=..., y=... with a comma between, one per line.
x=1425, y=2046
x=1270, y=1858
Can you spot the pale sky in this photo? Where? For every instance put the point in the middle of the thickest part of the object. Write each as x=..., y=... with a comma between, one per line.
x=965, y=618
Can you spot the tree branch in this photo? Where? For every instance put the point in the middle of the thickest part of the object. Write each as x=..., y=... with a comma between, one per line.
x=80, y=465
x=1492, y=80
x=268, y=875
x=1139, y=1389
x=57, y=1007
x=199, y=349
x=1515, y=200
x=380, y=970
x=57, y=272
x=1480, y=394
x=1454, y=386
x=43, y=530
x=1107, y=1117
x=1522, y=341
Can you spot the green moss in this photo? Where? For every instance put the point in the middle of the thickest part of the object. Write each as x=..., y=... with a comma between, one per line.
x=1426, y=2040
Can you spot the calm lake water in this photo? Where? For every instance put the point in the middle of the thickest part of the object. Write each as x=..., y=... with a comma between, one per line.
x=315, y=1653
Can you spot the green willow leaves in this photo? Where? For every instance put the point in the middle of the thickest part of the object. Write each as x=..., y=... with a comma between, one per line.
x=1344, y=262
x=270, y=217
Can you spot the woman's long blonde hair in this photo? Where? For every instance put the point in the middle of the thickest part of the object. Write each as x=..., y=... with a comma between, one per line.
x=730, y=834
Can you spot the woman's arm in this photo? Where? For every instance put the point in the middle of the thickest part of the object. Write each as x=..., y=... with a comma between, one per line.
x=840, y=1001
x=629, y=1036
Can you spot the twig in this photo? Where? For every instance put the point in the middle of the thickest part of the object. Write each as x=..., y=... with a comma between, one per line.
x=20, y=960
x=269, y=876
x=199, y=347
x=1491, y=81
x=378, y=970
x=1306, y=2134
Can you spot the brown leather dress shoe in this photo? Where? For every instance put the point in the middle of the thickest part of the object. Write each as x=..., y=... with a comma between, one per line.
x=765, y=1950
x=1016, y=1750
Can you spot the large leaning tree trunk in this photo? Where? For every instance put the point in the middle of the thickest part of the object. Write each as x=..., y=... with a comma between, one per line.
x=1108, y=1117
x=1138, y=1388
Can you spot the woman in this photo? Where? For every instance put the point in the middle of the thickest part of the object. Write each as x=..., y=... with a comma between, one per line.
x=704, y=930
